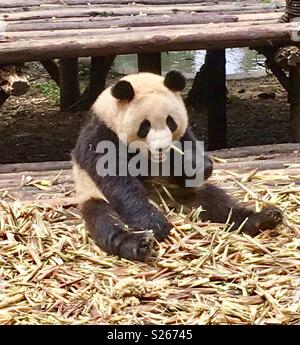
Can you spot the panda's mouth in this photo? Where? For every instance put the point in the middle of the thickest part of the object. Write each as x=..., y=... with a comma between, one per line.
x=158, y=155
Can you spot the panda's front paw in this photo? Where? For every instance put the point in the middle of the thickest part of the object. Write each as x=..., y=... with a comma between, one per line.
x=161, y=229
x=138, y=246
x=269, y=218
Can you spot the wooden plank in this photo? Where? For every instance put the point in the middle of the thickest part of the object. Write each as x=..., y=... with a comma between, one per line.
x=254, y=151
x=112, y=22
x=259, y=165
x=140, y=42
x=52, y=202
x=174, y=19
x=62, y=188
x=8, y=174
x=136, y=10
x=13, y=184
x=122, y=31
x=29, y=3
x=258, y=16
x=31, y=167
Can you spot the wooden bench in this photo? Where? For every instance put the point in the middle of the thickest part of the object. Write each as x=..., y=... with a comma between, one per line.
x=44, y=30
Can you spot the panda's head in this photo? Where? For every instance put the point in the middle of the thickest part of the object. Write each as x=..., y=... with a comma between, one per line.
x=146, y=107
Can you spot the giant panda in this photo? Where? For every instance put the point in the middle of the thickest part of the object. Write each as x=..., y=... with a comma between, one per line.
x=116, y=209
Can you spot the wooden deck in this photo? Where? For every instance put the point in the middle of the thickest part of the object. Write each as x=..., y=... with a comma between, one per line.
x=51, y=183
x=44, y=29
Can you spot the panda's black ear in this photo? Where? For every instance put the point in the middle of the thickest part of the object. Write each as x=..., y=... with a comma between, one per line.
x=175, y=81
x=123, y=91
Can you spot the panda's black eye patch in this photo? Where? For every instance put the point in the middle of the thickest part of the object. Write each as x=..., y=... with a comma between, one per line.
x=144, y=129
x=171, y=123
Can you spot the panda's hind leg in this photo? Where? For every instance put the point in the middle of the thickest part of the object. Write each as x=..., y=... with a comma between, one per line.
x=112, y=235
x=218, y=206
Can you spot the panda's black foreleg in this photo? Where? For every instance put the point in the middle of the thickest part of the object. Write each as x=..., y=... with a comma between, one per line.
x=129, y=199
x=111, y=234
x=218, y=205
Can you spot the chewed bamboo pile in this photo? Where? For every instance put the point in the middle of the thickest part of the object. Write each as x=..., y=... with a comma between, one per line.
x=51, y=272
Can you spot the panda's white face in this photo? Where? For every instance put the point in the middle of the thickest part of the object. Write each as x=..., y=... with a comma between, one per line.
x=143, y=108
x=159, y=119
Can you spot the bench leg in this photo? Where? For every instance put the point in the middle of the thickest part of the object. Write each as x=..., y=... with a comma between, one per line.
x=215, y=62
x=294, y=99
x=69, y=82
x=99, y=69
x=149, y=62
x=52, y=69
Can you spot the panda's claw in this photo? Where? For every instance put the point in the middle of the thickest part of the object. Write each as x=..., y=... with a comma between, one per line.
x=162, y=232
x=270, y=217
x=137, y=246
x=144, y=247
x=267, y=218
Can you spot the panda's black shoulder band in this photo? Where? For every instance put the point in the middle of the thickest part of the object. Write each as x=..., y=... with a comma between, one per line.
x=123, y=91
x=174, y=81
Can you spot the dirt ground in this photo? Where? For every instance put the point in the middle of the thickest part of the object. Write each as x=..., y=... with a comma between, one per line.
x=33, y=129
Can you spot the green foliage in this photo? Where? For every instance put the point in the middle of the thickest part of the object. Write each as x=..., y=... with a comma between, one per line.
x=50, y=90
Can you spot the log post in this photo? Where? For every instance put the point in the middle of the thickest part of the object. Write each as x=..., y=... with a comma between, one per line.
x=100, y=66
x=149, y=62
x=289, y=58
x=273, y=65
x=294, y=99
x=215, y=62
x=69, y=82
x=292, y=11
x=197, y=95
x=52, y=69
